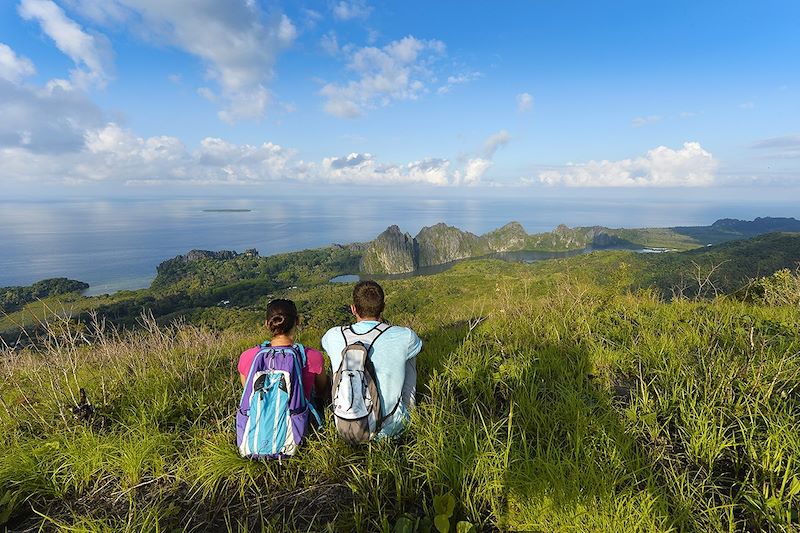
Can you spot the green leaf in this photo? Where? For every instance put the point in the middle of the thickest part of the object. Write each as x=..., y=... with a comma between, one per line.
x=425, y=525
x=774, y=503
x=403, y=525
x=465, y=527
x=444, y=504
x=795, y=488
x=5, y=514
x=442, y=523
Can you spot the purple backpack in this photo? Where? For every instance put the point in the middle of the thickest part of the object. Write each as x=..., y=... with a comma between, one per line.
x=273, y=413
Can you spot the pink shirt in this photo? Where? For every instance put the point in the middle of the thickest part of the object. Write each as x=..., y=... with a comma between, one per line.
x=314, y=366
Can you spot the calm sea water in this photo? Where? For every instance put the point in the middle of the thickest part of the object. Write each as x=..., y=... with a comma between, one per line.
x=114, y=245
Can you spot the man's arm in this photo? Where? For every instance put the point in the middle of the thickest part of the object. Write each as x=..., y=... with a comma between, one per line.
x=407, y=395
x=322, y=388
x=414, y=344
x=410, y=381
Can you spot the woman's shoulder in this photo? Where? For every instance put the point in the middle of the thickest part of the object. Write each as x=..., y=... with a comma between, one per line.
x=314, y=360
x=313, y=352
x=250, y=352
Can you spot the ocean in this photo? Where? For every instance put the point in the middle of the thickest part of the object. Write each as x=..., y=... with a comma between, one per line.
x=117, y=244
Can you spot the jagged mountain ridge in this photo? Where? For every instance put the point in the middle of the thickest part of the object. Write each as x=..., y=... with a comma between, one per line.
x=397, y=252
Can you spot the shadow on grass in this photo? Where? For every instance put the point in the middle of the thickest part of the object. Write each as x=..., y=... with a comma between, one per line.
x=573, y=465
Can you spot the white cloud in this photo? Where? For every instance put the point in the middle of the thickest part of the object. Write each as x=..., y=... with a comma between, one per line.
x=287, y=32
x=52, y=119
x=494, y=142
x=398, y=71
x=477, y=165
x=473, y=171
x=458, y=80
x=524, y=102
x=660, y=167
x=687, y=114
x=747, y=105
x=372, y=36
x=13, y=67
x=364, y=168
x=347, y=10
x=238, y=42
x=90, y=53
x=112, y=154
x=312, y=18
x=638, y=122
x=329, y=43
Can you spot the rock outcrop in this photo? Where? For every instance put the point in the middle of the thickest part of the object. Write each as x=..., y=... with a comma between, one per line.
x=441, y=244
x=392, y=252
x=509, y=238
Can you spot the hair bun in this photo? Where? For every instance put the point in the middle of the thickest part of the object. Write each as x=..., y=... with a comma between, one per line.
x=281, y=316
x=277, y=321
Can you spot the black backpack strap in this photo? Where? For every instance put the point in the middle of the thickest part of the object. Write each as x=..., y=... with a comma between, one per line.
x=390, y=413
x=382, y=328
x=366, y=338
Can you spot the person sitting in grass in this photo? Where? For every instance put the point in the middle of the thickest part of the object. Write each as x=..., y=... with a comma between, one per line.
x=282, y=322
x=375, y=369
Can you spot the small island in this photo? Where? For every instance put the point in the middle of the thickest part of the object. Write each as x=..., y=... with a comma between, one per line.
x=227, y=210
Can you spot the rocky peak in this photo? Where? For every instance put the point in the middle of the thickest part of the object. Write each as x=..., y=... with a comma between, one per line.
x=510, y=237
x=197, y=255
x=440, y=243
x=562, y=229
x=392, y=252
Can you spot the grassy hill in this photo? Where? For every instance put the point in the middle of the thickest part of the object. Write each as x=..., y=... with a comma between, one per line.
x=558, y=396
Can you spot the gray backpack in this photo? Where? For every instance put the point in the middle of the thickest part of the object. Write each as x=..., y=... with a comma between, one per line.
x=356, y=400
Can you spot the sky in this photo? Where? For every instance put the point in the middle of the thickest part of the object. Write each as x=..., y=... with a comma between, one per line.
x=123, y=97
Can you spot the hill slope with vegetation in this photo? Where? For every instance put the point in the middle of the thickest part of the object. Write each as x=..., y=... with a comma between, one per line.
x=15, y=298
x=569, y=394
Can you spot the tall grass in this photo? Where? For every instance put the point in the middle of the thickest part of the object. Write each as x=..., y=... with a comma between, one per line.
x=547, y=402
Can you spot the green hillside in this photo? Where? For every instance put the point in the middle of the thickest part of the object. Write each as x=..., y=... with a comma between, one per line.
x=15, y=298
x=563, y=395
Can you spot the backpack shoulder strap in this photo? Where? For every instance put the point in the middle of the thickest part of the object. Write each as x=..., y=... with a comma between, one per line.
x=349, y=335
x=368, y=337
x=301, y=351
x=381, y=329
x=261, y=348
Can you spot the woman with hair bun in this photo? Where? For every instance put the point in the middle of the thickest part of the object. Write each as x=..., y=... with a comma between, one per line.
x=282, y=322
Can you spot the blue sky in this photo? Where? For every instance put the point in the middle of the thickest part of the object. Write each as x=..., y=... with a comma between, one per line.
x=120, y=96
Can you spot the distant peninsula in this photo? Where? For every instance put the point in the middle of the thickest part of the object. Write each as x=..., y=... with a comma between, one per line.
x=15, y=298
x=226, y=210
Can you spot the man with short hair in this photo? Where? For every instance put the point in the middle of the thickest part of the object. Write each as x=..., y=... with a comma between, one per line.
x=393, y=354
